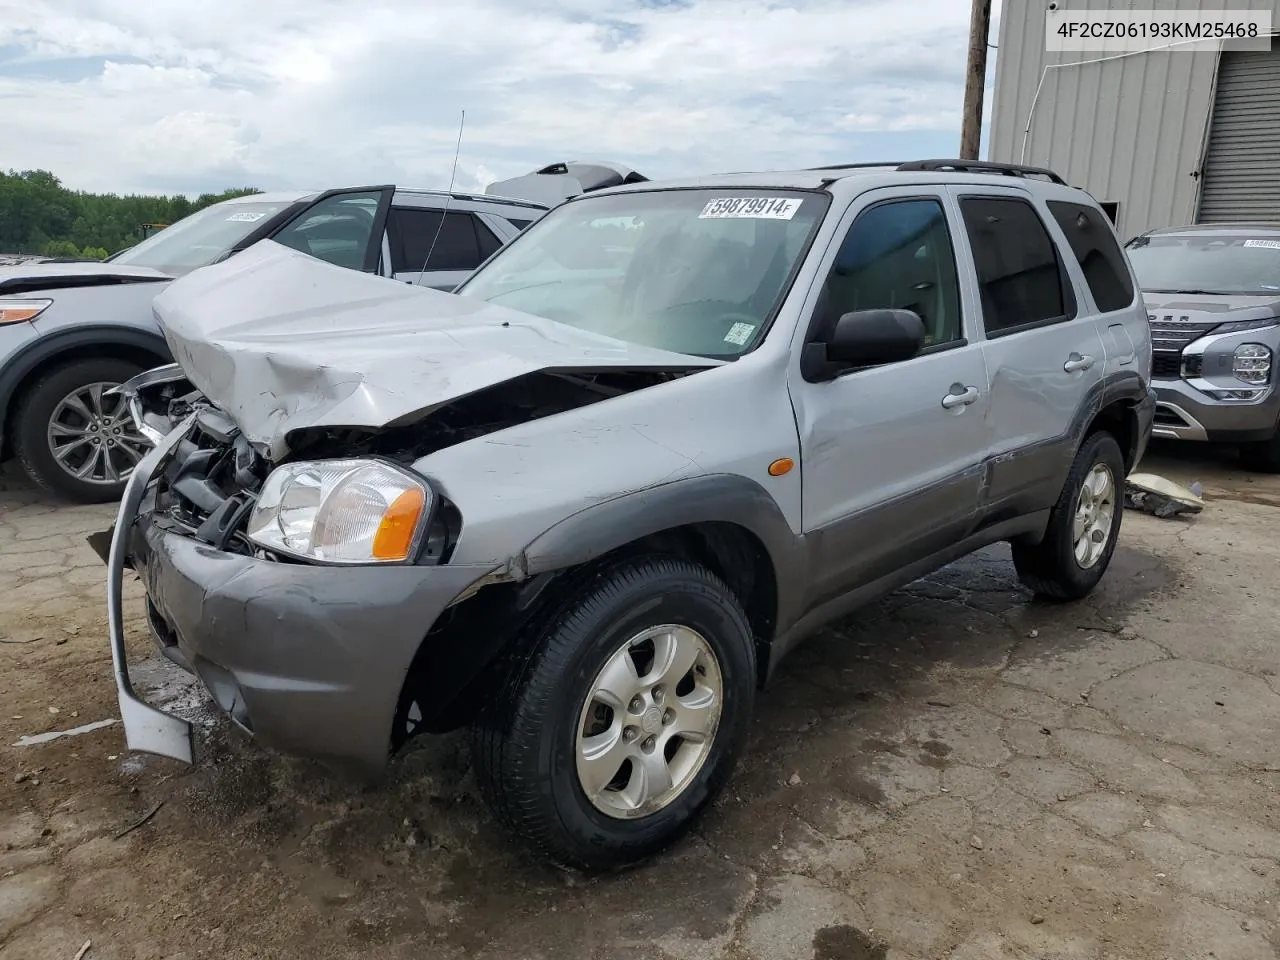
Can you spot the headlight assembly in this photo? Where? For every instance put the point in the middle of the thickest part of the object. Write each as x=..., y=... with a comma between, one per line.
x=342, y=511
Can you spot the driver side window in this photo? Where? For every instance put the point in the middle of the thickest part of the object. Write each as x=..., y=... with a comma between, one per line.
x=898, y=255
x=336, y=229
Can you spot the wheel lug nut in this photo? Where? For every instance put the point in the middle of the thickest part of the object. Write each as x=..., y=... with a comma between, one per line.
x=669, y=717
x=658, y=694
x=629, y=734
x=649, y=745
x=636, y=706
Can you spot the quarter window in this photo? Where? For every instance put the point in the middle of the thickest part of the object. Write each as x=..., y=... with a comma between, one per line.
x=897, y=255
x=1097, y=252
x=463, y=243
x=1019, y=276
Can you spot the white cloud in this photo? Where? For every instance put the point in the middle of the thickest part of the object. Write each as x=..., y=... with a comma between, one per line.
x=134, y=94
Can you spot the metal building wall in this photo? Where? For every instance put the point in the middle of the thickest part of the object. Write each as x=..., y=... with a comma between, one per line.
x=1128, y=130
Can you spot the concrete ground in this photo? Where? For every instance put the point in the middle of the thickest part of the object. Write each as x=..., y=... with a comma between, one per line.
x=955, y=772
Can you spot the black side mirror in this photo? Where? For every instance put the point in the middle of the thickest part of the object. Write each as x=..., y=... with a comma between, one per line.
x=864, y=338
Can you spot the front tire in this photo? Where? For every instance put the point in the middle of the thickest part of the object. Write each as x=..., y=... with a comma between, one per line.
x=1084, y=526
x=74, y=440
x=610, y=736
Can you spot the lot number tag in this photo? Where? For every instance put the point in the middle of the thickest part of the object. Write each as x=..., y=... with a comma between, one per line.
x=1269, y=244
x=750, y=208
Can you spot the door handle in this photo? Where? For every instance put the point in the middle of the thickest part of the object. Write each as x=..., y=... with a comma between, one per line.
x=958, y=397
x=1077, y=362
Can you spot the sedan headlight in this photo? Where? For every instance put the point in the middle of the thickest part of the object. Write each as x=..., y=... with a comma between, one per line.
x=341, y=511
x=1252, y=363
x=20, y=311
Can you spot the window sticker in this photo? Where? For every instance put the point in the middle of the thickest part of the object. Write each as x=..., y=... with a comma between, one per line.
x=739, y=333
x=245, y=217
x=1269, y=244
x=750, y=208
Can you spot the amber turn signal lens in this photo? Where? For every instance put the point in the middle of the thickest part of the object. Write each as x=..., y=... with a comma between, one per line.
x=399, y=523
x=20, y=311
x=781, y=466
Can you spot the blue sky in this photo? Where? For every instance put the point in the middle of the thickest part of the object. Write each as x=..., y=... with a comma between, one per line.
x=140, y=95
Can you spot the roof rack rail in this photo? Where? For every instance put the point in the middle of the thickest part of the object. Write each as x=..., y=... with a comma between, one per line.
x=983, y=166
x=856, y=166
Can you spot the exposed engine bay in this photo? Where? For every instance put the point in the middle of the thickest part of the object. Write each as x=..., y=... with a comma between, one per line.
x=209, y=487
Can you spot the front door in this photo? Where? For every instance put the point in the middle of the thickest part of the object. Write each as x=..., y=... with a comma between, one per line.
x=1044, y=352
x=342, y=227
x=892, y=455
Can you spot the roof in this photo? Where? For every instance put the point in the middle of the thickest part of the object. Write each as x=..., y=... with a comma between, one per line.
x=1231, y=229
x=293, y=196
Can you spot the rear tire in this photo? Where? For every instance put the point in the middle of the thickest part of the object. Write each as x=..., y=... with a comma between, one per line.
x=1068, y=563
x=570, y=710
x=1263, y=456
x=42, y=414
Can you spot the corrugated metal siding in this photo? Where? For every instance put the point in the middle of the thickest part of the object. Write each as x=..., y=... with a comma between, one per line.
x=1242, y=163
x=1131, y=130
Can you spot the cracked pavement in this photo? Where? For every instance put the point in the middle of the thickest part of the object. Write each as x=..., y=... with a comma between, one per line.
x=955, y=772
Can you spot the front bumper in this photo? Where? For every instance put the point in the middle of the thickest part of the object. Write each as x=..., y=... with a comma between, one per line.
x=309, y=659
x=1185, y=413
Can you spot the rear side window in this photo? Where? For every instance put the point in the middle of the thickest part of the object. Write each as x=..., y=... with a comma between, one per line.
x=518, y=224
x=463, y=241
x=1019, y=276
x=1097, y=252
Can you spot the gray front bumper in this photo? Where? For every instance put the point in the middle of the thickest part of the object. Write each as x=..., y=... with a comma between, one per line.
x=310, y=659
x=1185, y=413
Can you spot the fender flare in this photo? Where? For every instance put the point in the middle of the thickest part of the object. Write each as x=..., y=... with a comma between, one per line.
x=724, y=498
x=47, y=348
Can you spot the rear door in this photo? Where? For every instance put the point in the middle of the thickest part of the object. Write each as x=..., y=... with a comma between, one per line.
x=436, y=247
x=343, y=227
x=1044, y=355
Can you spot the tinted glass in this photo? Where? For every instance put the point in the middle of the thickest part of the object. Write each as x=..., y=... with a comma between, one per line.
x=1017, y=264
x=1096, y=250
x=201, y=238
x=899, y=256
x=337, y=229
x=489, y=243
x=1232, y=265
x=462, y=244
x=691, y=271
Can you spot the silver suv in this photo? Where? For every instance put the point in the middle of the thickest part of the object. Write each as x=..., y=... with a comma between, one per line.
x=1213, y=296
x=587, y=504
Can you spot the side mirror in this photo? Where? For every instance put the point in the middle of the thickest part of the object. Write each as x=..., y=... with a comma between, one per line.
x=867, y=338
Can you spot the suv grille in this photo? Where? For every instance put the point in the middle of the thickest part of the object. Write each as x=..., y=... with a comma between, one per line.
x=1171, y=333
x=1166, y=366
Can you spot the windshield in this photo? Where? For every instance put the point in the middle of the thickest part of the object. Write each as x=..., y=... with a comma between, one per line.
x=201, y=238
x=1242, y=266
x=693, y=271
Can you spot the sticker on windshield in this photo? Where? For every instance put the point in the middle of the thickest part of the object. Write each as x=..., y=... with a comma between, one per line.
x=739, y=333
x=1269, y=244
x=751, y=208
x=245, y=217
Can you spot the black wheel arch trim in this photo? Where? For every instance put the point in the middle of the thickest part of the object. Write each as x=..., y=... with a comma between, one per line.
x=716, y=498
x=49, y=347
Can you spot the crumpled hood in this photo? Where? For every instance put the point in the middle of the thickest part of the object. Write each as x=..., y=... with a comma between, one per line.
x=25, y=278
x=281, y=341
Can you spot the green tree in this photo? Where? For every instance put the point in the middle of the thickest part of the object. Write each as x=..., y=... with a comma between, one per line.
x=38, y=215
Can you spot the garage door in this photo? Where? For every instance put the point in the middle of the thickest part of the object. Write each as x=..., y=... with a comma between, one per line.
x=1242, y=164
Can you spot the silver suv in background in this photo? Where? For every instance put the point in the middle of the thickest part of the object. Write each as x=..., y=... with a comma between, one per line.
x=1213, y=298
x=588, y=503
x=71, y=332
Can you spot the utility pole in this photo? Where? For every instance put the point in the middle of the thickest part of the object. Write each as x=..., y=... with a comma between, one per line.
x=975, y=80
